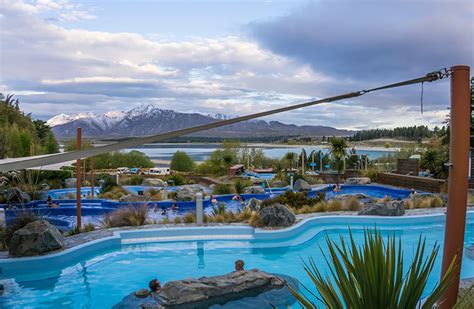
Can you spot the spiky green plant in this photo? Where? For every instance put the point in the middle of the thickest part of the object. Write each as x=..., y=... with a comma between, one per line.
x=220, y=209
x=372, y=275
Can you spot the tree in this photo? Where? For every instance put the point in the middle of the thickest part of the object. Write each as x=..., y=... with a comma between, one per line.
x=338, y=152
x=290, y=157
x=181, y=162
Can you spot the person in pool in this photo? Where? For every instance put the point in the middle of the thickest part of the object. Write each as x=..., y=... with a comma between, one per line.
x=412, y=191
x=174, y=207
x=237, y=197
x=163, y=210
x=154, y=285
x=239, y=265
x=50, y=203
x=213, y=199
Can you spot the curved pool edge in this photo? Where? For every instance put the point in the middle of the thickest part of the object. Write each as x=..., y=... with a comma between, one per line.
x=291, y=236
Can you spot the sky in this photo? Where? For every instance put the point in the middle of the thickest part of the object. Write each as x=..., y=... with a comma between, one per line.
x=235, y=57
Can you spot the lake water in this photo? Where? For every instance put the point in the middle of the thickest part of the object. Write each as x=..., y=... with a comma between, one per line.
x=201, y=152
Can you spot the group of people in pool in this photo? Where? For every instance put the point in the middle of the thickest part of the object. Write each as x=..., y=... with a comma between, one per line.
x=164, y=211
x=155, y=285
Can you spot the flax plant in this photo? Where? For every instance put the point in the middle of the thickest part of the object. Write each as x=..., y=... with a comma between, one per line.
x=372, y=276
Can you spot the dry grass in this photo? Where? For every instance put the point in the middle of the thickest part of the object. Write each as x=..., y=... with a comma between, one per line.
x=165, y=221
x=352, y=204
x=114, y=194
x=334, y=205
x=429, y=201
x=189, y=218
x=177, y=220
x=126, y=216
x=153, y=195
x=470, y=198
x=255, y=220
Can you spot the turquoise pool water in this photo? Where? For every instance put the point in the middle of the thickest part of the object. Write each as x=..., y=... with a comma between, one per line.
x=102, y=278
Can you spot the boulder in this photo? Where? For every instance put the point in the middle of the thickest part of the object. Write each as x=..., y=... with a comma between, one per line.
x=70, y=182
x=392, y=208
x=133, y=198
x=301, y=185
x=154, y=182
x=254, y=190
x=36, y=238
x=16, y=196
x=188, y=193
x=277, y=215
x=358, y=181
x=243, y=289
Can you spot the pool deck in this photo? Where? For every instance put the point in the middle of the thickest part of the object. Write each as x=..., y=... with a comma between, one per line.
x=83, y=238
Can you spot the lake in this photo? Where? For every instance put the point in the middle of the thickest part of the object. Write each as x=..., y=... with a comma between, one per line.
x=202, y=151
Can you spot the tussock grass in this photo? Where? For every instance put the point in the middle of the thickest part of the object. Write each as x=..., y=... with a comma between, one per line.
x=334, y=205
x=352, y=204
x=126, y=216
x=177, y=220
x=89, y=227
x=189, y=218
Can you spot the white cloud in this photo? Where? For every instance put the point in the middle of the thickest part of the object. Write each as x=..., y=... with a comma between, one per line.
x=59, y=70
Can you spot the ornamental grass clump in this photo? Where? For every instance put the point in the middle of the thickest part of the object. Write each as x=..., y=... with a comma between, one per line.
x=352, y=204
x=189, y=218
x=126, y=216
x=372, y=275
x=334, y=205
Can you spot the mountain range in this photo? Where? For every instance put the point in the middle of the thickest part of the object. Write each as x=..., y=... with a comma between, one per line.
x=149, y=120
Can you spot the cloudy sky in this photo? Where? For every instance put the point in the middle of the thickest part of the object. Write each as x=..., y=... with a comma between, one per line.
x=234, y=57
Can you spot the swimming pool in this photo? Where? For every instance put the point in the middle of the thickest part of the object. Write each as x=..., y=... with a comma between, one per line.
x=101, y=274
x=375, y=191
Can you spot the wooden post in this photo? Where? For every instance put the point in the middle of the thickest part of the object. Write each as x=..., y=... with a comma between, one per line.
x=78, y=179
x=457, y=181
x=92, y=176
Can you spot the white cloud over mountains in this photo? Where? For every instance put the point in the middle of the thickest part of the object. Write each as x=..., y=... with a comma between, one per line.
x=57, y=70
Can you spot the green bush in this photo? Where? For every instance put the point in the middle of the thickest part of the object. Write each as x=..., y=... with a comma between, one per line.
x=240, y=185
x=222, y=189
x=178, y=179
x=373, y=275
x=370, y=173
x=108, y=185
x=295, y=200
x=181, y=162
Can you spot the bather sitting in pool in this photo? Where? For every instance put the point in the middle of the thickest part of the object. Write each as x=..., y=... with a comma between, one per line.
x=239, y=265
x=213, y=200
x=336, y=188
x=412, y=192
x=174, y=207
x=154, y=285
x=237, y=197
x=50, y=202
x=163, y=210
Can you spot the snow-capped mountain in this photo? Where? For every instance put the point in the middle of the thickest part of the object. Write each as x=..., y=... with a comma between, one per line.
x=148, y=120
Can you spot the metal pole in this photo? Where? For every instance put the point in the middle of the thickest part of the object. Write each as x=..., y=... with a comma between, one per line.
x=457, y=181
x=313, y=161
x=78, y=179
x=92, y=176
x=199, y=209
x=291, y=182
x=320, y=162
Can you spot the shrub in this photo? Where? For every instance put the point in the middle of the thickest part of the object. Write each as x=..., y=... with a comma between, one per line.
x=409, y=204
x=165, y=221
x=126, y=216
x=437, y=201
x=352, y=204
x=295, y=200
x=373, y=275
x=189, y=218
x=114, y=194
x=177, y=220
x=3, y=241
x=240, y=185
x=135, y=180
x=370, y=173
x=181, y=162
x=219, y=209
x=153, y=194
x=89, y=227
x=470, y=199
x=22, y=218
x=108, y=185
x=255, y=220
x=178, y=180
x=222, y=189
x=334, y=205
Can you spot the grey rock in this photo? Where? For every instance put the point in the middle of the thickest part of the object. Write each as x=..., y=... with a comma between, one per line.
x=279, y=184
x=254, y=190
x=206, y=291
x=277, y=215
x=301, y=185
x=133, y=198
x=188, y=193
x=70, y=182
x=358, y=181
x=36, y=238
x=16, y=196
x=392, y=208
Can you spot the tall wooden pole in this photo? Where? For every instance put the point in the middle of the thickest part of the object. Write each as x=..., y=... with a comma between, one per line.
x=457, y=181
x=78, y=179
x=92, y=176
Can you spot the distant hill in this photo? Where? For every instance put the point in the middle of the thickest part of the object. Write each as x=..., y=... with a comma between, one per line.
x=149, y=120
